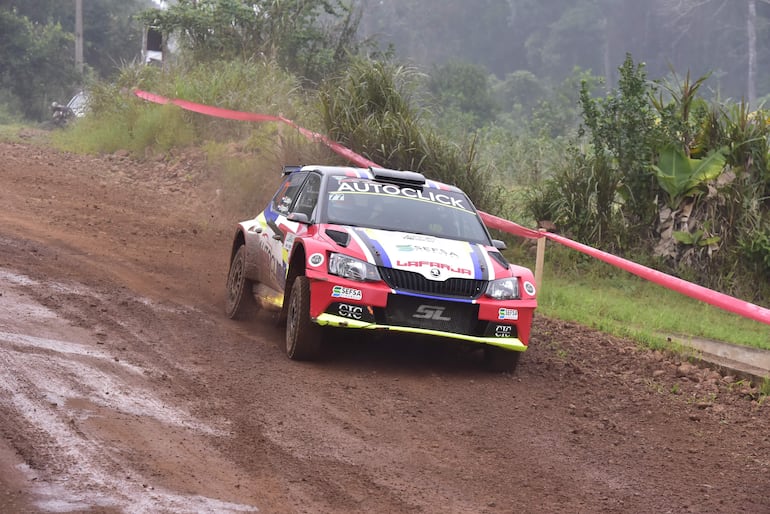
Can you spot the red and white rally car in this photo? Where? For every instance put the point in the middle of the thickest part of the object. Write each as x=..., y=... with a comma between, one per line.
x=379, y=249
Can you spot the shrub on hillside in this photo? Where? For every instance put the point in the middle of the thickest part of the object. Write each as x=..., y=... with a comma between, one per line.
x=373, y=109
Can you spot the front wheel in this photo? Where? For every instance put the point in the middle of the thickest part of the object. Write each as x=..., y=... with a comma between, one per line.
x=500, y=360
x=303, y=337
x=239, y=297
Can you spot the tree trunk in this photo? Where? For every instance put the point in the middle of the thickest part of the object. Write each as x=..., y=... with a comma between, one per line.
x=79, y=36
x=606, y=55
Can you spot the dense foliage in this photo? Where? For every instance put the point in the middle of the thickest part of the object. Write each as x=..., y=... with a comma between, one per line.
x=35, y=66
x=672, y=177
x=37, y=50
x=311, y=38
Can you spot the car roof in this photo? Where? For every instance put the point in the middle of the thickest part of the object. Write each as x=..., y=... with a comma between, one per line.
x=401, y=178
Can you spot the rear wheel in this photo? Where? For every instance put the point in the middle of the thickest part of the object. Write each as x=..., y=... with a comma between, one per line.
x=303, y=337
x=239, y=297
x=500, y=360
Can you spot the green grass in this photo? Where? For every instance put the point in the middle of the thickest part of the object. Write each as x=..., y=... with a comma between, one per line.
x=600, y=296
x=10, y=132
x=24, y=133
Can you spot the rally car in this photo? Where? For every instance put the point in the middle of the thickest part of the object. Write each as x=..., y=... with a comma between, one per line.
x=379, y=249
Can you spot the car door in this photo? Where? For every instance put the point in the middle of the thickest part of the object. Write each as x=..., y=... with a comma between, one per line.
x=302, y=213
x=294, y=208
x=271, y=258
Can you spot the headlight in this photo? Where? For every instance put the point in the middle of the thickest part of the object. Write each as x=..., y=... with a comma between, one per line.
x=350, y=268
x=504, y=289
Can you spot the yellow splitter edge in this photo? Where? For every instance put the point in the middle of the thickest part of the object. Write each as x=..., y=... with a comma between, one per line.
x=510, y=343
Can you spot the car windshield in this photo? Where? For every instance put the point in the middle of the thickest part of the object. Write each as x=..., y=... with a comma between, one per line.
x=417, y=210
x=79, y=103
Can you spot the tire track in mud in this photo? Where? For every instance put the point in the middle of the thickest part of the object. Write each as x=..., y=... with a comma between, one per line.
x=70, y=398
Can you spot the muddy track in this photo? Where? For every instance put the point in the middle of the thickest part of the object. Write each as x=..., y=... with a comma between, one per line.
x=123, y=388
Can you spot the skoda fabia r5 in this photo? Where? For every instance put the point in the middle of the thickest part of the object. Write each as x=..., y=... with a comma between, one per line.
x=374, y=250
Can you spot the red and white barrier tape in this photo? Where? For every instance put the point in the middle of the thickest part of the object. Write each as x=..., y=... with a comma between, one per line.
x=248, y=116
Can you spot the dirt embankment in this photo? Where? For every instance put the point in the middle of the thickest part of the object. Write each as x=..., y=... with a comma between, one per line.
x=124, y=389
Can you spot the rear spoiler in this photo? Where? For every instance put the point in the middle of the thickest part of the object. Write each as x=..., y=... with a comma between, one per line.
x=290, y=169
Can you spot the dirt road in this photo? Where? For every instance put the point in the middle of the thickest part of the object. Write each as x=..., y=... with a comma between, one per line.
x=123, y=388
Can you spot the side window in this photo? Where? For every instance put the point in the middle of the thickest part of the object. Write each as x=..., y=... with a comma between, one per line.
x=308, y=196
x=287, y=193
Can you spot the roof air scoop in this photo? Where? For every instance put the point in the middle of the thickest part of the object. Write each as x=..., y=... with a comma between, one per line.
x=401, y=178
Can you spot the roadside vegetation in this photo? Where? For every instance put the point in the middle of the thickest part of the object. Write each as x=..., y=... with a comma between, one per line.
x=597, y=295
x=658, y=171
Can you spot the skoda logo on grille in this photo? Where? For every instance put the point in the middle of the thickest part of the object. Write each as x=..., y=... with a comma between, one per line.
x=435, y=272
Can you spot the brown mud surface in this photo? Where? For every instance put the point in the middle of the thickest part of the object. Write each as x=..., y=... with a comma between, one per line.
x=123, y=387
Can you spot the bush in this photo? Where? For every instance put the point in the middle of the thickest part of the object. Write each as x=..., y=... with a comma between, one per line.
x=372, y=109
x=579, y=200
x=463, y=88
x=10, y=108
x=624, y=137
x=118, y=119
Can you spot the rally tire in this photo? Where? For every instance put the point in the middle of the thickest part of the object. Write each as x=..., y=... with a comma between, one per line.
x=499, y=360
x=303, y=336
x=239, y=296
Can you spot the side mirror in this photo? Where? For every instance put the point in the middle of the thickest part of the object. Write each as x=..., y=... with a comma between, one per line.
x=299, y=217
x=500, y=245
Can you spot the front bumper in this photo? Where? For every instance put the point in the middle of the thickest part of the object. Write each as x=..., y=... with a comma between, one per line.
x=509, y=343
x=374, y=306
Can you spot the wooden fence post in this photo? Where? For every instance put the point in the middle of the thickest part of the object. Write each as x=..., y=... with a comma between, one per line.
x=540, y=260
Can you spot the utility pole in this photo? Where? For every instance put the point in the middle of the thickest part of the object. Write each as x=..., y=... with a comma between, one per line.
x=751, y=31
x=79, y=36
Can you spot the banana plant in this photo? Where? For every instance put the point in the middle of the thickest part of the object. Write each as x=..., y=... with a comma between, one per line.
x=697, y=238
x=682, y=177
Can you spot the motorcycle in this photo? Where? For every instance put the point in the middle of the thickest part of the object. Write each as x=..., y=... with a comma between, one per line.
x=62, y=114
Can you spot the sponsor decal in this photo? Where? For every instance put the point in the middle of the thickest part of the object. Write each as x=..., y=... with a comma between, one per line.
x=435, y=265
x=350, y=311
x=503, y=331
x=288, y=242
x=264, y=243
x=426, y=249
x=508, y=314
x=316, y=260
x=347, y=292
x=529, y=287
x=275, y=265
x=431, y=312
x=419, y=237
x=408, y=192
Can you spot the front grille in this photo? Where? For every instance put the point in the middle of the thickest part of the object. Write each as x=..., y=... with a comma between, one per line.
x=412, y=282
x=415, y=312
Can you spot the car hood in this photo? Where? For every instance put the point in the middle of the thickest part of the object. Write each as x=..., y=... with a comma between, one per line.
x=434, y=258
